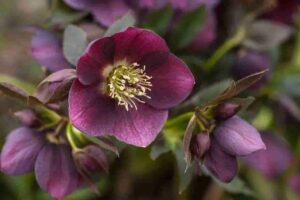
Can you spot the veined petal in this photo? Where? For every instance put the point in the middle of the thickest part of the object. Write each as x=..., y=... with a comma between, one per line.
x=222, y=165
x=56, y=172
x=90, y=111
x=20, y=151
x=139, y=127
x=237, y=137
x=172, y=81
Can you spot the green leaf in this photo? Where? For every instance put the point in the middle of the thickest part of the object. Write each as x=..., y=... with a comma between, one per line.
x=159, y=20
x=121, y=24
x=74, y=43
x=188, y=27
x=236, y=186
x=185, y=175
x=27, y=87
x=13, y=91
x=158, y=148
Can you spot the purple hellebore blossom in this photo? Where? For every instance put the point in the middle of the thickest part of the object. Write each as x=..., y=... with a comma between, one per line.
x=126, y=84
x=46, y=48
x=26, y=150
x=206, y=36
x=232, y=138
x=250, y=62
x=284, y=11
x=104, y=11
x=272, y=161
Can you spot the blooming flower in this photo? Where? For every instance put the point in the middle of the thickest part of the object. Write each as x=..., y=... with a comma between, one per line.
x=272, y=161
x=26, y=150
x=46, y=48
x=126, y=84
x=251, y=62
x=105, y=12
x=232, y=138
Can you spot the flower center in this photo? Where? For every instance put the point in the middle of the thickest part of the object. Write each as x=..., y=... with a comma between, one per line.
x=129, y=84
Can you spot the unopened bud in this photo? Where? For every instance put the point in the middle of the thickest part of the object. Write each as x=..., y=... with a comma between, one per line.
x=27, y=117
x=226, y=110
x=200, y=144
x=91, y=159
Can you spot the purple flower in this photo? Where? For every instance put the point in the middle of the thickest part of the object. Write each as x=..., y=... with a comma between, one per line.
x=46, y=48
x=206, y=36
x=186, y=5
x=26, y=150
x=232, y=138
x=284, y=11
x=126, y=84
x=272, y=161
x=105, y=12
x=251, y=62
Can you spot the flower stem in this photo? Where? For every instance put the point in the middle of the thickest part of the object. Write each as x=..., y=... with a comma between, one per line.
x=224, y=48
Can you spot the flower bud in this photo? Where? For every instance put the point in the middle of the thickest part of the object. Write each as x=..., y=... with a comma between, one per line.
x=91, y=159
x=226, y=110
x=27, y=117
x=200, y=144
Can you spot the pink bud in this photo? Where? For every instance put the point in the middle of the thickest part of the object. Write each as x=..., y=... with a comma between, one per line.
x=200, y=144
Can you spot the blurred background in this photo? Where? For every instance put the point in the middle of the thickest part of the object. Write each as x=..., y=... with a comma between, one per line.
x=236, y=38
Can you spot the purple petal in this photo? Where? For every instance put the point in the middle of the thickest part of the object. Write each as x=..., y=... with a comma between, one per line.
x=98, y=55
x=90, y=111
x=206, y=36
x=237, y=137
x=139, y=127
x=96, y=114
x=274, y=160
x=249, y=63
x=20, y=151
x=134, y=43
x=105, y=12
x=171, y=79
x=46, y=48
x=55, y=171
x=222, y=165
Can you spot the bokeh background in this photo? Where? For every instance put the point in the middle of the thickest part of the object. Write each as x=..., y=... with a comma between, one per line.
x=135, y=176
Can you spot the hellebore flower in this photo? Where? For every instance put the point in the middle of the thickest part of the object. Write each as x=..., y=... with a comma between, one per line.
x=250, y=62
x=284, y=11
x=206, y=36
x=272, y=161
x=126, y=84
x=105, y=12
x=232, y=138
x=46, y=48
x=186, y=5
x=26, y=150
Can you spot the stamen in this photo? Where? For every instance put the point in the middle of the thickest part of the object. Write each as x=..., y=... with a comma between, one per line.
x=128, y=84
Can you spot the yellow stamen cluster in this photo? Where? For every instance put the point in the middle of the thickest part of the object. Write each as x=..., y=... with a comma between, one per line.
x=128, y=84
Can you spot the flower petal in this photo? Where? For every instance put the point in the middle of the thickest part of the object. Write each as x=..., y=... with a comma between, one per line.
x=222, y=165
x=238, y=138
x=139, y=127
x=90, y=111
x=134, y=43
x=172, y=80
x=56, y=172
x=46, y=48
x=97, y=115
x=106, y=12
x=272, y=161
x=20, y=151
x=97, y=56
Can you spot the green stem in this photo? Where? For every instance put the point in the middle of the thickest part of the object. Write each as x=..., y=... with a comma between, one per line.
x=226, y=46
x=180, y=118
x=70, y=137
